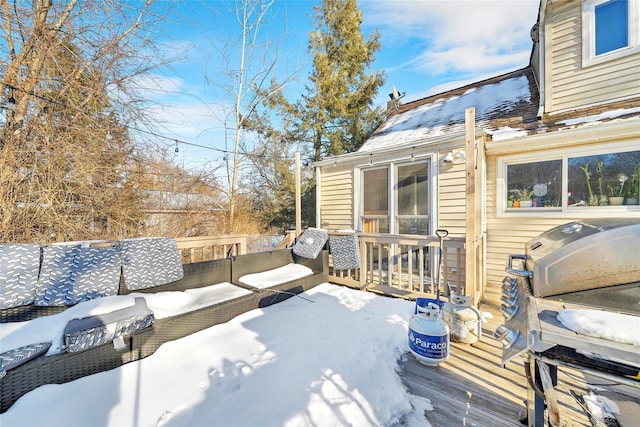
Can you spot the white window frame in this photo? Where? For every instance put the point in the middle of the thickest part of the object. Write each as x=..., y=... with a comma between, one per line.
x=397, y=217
x=389, y=215
x=563, y=210
x=431, y=158
x=589, y=56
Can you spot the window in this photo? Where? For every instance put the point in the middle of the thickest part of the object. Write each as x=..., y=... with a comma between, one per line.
x=376, y=201
x=600, y=180
x=534, y=185
x=412, y=196
x=610, y=29
x=396, y=198
x=611, y=26
x=604, y=180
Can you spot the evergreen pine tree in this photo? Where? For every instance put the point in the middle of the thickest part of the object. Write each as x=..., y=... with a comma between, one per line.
x=338, y=106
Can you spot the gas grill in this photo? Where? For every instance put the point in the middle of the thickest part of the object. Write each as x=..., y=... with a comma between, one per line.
x=583, y=265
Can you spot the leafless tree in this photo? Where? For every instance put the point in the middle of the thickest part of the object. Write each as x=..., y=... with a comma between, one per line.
x=67, y=158
x=247, y=63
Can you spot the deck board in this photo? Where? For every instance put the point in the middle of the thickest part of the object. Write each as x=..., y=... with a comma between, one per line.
x=472, y=388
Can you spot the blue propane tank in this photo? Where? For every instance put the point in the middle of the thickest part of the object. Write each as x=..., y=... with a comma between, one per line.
x=429, y=336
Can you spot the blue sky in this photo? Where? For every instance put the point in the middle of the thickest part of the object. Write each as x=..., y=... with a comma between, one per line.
x=428, y=47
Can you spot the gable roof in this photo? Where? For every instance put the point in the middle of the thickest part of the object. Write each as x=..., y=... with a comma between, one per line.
x=509, y=100
x=506, y=107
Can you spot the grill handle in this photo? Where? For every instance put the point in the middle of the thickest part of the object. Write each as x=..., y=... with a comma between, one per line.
x=514, y=271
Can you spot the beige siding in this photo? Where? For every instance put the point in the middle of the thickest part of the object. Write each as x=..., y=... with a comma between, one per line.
x=568, y=84
x=508, y=235
x=451, y=199
x=336, y=193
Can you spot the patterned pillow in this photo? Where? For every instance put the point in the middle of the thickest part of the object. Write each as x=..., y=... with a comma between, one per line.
x=72, y=273
x=345, y=251
x=150, y=262
x=82, y=334
x=16, y=357
x=311, y=242
x=57, y=275
x=19, y=266
x=97, y=273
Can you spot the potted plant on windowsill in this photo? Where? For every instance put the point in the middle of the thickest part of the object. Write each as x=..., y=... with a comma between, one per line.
x=617, y=197
x=587, y=176
x=524, y=196
x=631, y=192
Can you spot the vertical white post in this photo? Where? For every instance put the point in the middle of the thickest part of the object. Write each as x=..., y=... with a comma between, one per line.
x=298, y=198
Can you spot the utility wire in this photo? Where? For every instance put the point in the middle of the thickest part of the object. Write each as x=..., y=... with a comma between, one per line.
x=148, y=132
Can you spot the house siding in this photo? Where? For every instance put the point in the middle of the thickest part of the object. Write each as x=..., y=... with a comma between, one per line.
x=569, y=85
x=336, y=193
x=508, y=235
x=451, y=199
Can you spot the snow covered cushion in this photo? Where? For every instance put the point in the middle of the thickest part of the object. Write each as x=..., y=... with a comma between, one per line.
x=82, y=334
x=276, y=276
x=19, y=266
x=311, y=242
x=72, y=274
x=172, y=303
x=150, y=262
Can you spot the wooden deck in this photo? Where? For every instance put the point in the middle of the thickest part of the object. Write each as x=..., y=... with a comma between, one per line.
x=472, y=388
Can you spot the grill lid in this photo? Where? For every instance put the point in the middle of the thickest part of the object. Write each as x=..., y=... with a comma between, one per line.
x=584, y=255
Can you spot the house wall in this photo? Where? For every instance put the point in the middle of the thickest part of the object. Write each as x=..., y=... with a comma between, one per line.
x=336, y=195
x=508, y=235
x=451, y=198
x=567, y=84
x=339, y=187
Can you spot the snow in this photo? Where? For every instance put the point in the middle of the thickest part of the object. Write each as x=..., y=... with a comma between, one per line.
x=163, y=304
x=331, y=361
x=276, y=276
x=607, y=115
x=602, y=324
x=445, y=115
x=506, y=132
x=601, y=407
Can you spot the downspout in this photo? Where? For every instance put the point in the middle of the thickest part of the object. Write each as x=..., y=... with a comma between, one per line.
x=318, y=198
x=541, y=55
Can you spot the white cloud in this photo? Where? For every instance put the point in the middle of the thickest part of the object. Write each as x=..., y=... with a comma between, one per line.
x=459, y=36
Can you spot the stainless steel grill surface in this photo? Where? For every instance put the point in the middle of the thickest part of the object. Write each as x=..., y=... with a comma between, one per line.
x=589, y=264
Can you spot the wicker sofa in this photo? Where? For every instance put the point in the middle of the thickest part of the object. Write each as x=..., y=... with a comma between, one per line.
x=212, y=275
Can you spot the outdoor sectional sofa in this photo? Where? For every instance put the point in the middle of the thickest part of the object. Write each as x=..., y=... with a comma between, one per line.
x=216, y=285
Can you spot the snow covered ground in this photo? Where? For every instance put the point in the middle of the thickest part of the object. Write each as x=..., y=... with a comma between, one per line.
x=330, y=362
x=326, y=358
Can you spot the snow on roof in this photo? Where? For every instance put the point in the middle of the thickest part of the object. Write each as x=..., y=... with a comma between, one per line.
x=596, y=118
x=506, y=107
x=442, y=114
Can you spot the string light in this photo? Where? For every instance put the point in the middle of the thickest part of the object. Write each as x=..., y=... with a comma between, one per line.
x=11, y=105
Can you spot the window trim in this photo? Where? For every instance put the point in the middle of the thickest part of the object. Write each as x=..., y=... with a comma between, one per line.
x=396, y=216
x=361, y=215
x=589, y=57
x=563, y=210
x=428, y=157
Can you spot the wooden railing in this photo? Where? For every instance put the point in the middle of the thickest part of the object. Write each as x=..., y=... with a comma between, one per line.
x=405, y=265
x=396, y=264
x=205, y=248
